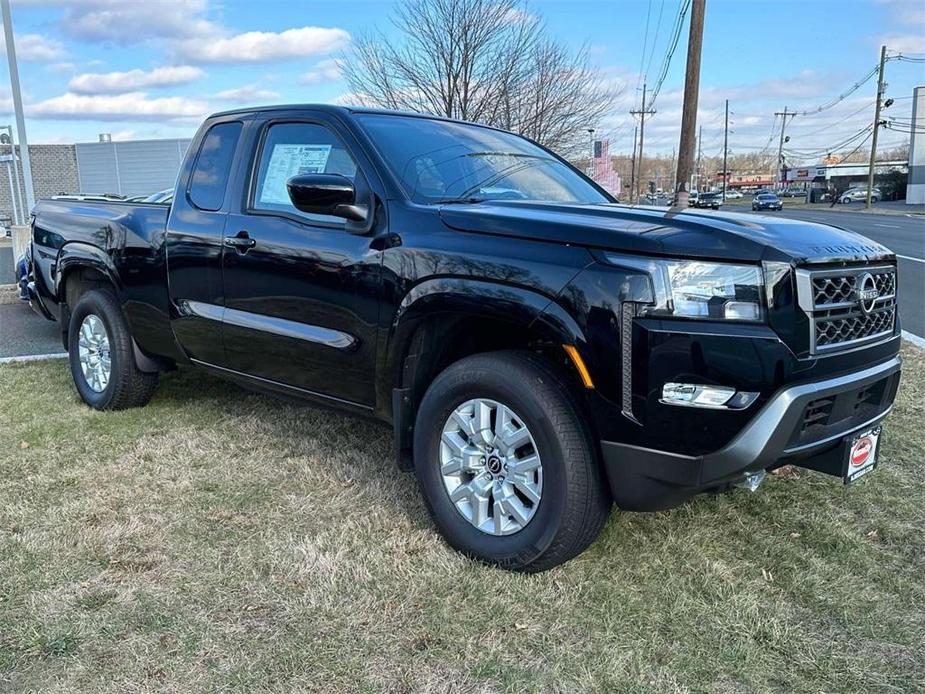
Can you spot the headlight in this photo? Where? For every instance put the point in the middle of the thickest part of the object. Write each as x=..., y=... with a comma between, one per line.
x=710, y=291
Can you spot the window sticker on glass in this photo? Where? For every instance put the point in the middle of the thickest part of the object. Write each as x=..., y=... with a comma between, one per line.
x=287, y=161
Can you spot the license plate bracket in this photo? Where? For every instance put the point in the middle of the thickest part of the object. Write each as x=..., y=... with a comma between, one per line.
x=861, y=452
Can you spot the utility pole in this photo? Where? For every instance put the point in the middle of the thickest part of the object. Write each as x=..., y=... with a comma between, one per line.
x=590, y=152
x=725, y=150
x=642, y=133
x=779, y=171
x=17, y=106
x=633, y=164
x=699, y=153
x=689, y=112
x=873, y=142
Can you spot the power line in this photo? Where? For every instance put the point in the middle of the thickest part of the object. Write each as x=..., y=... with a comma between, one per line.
x=672, y=45
x=913, y=129
x=842, y=144
x=645, y=44
x=838, y=122
x=658, y=29
x=914, y=58
x=844, y=95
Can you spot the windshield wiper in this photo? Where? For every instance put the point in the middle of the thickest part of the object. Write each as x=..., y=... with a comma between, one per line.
x=459, y=201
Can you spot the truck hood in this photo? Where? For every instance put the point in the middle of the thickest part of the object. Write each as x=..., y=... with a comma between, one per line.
x=668, y=232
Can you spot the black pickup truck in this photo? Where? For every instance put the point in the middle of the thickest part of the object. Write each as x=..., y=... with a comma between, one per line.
x=538, y=350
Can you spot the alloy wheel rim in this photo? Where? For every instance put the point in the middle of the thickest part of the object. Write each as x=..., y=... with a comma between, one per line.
x=491, y=467
x=93, y=353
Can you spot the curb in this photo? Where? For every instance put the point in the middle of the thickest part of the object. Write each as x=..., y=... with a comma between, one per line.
x=32, y=357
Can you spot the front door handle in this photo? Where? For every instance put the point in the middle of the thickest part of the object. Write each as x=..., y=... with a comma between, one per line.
x=242, y=242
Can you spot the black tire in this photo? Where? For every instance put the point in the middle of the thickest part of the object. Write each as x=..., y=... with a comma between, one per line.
x=575, y=499
x=128, y=386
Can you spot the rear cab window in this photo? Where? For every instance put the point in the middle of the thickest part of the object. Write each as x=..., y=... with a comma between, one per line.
x=214, y=161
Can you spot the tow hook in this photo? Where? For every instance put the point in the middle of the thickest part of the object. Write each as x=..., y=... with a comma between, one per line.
x=751, y=481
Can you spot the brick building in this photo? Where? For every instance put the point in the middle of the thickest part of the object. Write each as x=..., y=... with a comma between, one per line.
x=54, y=170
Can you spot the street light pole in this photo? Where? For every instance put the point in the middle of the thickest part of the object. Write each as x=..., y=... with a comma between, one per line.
x=18, y=190
x=590, y=152
x=13, y=194
x=17, y=105
x=725, y=151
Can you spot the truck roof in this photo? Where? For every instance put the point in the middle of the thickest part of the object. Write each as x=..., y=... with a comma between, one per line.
x=345, y=110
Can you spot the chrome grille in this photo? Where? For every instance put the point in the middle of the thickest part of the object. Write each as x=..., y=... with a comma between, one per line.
x=839, y=318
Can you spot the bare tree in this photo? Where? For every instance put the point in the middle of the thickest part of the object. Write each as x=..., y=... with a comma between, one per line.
x=488, y=61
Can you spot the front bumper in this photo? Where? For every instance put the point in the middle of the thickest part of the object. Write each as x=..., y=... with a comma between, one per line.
x=647, y=479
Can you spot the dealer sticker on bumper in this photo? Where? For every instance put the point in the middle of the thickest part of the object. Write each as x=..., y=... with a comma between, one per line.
x=862, y=454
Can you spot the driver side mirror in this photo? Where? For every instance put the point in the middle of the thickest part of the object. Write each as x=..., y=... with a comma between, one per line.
x=329, y=194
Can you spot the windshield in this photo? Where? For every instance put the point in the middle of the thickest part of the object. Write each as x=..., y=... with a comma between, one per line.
x=767, y=197
x=443, y=161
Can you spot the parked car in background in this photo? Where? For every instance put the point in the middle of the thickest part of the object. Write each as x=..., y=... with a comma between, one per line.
x=707, y=200
x=767, y=201
x=792, y=193
x=537, y=350
x=733, y=194
x=22, y=275
x=859, y=195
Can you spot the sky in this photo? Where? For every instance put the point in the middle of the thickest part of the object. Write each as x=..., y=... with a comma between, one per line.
x=155, y=68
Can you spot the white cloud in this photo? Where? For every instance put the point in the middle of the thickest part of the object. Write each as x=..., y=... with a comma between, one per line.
x=133, y=80
x=906, y=11
x=121, y=135
x=325, y=71
x=264, y=46
x=247, y=94
x=136, y=21
x=36, y=48
x=904, y=43
x=133, y=106
x=62, y=67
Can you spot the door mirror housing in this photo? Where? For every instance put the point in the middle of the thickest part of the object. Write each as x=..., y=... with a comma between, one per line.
x=329, y=194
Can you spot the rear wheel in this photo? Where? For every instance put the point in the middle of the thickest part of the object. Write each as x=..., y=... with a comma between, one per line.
x=506, y=464
x=102, y=356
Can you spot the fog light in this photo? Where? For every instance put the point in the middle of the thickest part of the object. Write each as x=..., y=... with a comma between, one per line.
x=710, y=397
x=741, y=310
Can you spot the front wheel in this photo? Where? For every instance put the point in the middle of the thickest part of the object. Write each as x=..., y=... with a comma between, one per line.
x=102, y=356
x=506, y=464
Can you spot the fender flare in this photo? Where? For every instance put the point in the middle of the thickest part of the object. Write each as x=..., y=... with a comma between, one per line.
x=456, y=297
x=453, y=296
x=77, y=254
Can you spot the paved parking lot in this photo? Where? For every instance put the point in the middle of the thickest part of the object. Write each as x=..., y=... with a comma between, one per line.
x=22, y=332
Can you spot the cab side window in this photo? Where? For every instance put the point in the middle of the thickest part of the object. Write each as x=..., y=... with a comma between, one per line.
x=213, y=166
x=290, y=149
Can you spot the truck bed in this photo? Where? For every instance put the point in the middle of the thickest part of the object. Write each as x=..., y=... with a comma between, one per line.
x=121, y=239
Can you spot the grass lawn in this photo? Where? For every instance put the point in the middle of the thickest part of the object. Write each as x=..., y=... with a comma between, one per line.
x=218, y=540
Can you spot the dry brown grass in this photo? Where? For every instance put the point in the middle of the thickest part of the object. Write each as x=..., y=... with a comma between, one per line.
x=218, y=540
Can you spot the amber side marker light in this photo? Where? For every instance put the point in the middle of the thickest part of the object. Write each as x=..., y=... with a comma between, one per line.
x=579, y=364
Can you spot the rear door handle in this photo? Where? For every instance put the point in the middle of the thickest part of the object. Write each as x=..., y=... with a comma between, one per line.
x=241, y=243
